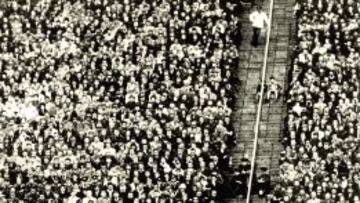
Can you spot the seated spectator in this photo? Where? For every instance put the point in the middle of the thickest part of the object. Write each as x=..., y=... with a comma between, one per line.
x=263, y=182
x=241, y=176
x=273, y=89
x=116, y=101
x=320, y=161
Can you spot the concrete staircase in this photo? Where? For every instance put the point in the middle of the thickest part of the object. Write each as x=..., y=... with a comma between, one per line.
x=272, y=115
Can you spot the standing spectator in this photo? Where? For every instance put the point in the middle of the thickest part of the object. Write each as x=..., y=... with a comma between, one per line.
x=259, y=22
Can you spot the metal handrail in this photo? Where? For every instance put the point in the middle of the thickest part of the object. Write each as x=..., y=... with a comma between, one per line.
x=258, y=114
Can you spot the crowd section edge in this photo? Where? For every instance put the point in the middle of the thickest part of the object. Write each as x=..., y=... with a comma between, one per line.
x=321, y=162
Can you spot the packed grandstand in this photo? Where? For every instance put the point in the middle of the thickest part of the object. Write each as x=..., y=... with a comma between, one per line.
x=111, y=101
x=321, y=160
x=108, y=101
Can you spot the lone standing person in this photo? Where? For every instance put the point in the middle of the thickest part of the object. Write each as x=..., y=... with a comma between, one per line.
x=259, y=21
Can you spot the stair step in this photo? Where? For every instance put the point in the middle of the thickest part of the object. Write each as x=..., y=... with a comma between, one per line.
x=272, y=115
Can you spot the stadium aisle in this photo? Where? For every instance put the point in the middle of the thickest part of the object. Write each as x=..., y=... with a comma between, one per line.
x=279, y=61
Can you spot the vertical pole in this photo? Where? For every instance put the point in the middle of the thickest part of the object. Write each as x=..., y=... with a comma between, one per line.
x=258, y=115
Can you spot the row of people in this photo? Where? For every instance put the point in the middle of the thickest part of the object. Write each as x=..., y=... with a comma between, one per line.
x=320, y=162
x=116, y=100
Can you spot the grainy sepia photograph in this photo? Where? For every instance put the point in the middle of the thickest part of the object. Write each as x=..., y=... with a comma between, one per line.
x=179, y=101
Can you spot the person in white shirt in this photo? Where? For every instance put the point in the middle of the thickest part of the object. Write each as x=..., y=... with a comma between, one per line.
x=274, y=88
x=88, y=197
x=259, y=20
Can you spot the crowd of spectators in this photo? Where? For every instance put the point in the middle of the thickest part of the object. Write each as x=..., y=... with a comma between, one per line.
x=321, y=160
x=116, y=100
